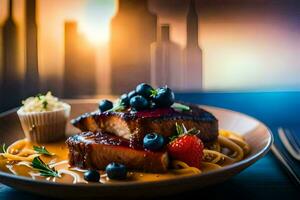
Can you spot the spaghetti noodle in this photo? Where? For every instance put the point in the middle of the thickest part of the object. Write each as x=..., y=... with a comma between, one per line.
x=18, y=151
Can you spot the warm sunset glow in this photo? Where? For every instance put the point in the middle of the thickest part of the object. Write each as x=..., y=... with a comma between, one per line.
x=93, y=33
x=95, y=20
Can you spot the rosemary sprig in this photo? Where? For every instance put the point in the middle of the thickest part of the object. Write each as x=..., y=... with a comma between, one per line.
x=181, y=107
x=43, y=168
x=3, y=148
x=42, y=150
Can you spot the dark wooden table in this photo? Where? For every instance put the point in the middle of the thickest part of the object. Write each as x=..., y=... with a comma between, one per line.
x=265, y=179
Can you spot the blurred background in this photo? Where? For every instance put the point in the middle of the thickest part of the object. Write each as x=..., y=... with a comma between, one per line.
x=84, y=48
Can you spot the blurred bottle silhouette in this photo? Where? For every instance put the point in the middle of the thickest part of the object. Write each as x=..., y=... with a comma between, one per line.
x=32, y=72
x=11, y=77
x=166, y=61
x=80, y=64
x=192, y=53
x=133, y=29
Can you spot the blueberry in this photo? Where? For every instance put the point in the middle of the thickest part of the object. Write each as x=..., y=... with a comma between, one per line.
x=131, y=94
x=139, y=103
x=164, y=97
x=144, y=90
x=153, y=141
x=116, y=171
x=105, y=105
x=92, y=176
x=124, y=99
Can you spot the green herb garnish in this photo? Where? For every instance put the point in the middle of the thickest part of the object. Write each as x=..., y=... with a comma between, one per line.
x=179, y=106
x=45, y=103
x=118, y=106
x=181, y=130
x=43, y=168
x=154, y=92
x=39, y=95
x=42, y=150
x=3, y=148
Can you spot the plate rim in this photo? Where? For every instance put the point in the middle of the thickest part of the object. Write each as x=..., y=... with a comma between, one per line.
x=245, y=162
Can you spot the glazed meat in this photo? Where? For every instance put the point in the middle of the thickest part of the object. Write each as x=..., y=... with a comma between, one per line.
x=135, y=125
x=90, y=150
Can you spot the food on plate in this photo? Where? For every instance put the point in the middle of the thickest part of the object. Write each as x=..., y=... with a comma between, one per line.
x=116, y=171
x=153, y=141
x=90, y=150
x=44, y=118
x=164, y=97
x=42, y=103
x=186, y=147
x=145, y=135
x=92, y=175
x=105, y=105
x=135, y=125
x=147, y=130
x=144, y=90
x=131, y=94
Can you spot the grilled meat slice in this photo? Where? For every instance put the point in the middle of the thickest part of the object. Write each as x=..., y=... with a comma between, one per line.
x=135, y=125
x=90, y=150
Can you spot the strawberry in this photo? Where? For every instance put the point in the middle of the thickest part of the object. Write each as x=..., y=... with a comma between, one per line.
x=187, y=148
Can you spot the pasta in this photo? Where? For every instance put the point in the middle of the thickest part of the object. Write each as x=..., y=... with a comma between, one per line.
x=182, y=168
x=228, y=149
x=19, y=152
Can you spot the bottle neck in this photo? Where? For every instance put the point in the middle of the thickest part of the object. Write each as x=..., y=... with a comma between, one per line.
x=10, y=8
x=192, y=25
x=30, y=11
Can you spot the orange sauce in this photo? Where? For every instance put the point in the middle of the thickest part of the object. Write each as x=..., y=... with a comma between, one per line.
x=60, y=162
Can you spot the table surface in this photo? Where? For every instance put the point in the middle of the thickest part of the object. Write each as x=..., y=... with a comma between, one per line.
x=266, y=178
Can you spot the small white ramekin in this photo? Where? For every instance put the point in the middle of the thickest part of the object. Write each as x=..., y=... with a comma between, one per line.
x=43, y=127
